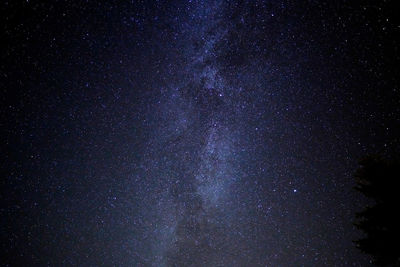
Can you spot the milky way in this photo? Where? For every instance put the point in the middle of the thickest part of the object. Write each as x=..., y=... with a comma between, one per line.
x=214, y=197
x=190, y=133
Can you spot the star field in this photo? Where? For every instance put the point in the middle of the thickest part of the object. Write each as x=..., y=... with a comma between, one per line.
x=191, y=133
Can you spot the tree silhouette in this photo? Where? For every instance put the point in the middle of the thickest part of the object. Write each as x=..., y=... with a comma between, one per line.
x=378, y=179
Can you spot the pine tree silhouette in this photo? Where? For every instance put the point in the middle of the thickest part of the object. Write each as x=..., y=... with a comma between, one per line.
x=378, y=179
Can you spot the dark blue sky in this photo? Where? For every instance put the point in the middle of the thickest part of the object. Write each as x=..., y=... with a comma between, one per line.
x=192, y=133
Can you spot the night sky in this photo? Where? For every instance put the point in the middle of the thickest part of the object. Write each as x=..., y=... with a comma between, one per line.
x=191, y=133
